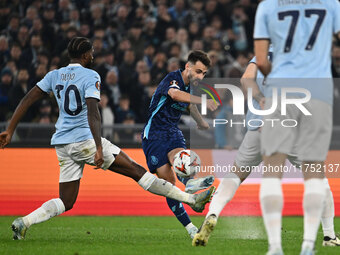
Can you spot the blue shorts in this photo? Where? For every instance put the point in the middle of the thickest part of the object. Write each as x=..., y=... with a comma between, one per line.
x=156, y=151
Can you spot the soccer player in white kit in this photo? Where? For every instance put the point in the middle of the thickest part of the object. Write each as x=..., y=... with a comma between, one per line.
x=301, y=33
x=249, y=156
x=78, y=142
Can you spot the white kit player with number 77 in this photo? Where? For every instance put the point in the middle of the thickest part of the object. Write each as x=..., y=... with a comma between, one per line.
x=301, y=33
x=78, y=142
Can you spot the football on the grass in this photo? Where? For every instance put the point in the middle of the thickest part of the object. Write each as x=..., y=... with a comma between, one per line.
x=186, y=163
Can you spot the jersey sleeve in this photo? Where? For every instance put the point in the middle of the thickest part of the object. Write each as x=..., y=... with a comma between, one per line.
x=92, y=88
x=253, y=60
x=169, y=84
x=336, y=17
x=46, y=83
x=261, y=22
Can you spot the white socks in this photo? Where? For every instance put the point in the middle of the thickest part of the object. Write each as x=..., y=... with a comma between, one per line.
x=327, y=218
x=161, y=187
x=271, y=199
x=48, y=210
x=313, y=203
x=224, y=194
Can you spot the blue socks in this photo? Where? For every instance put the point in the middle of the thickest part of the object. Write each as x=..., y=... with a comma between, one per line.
x=177, y=207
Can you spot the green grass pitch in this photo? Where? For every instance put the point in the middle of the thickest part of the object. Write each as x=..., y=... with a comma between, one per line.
x=150, y=235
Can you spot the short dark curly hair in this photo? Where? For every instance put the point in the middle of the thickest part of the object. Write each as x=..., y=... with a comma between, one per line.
x=198, y=55
x=78, y=46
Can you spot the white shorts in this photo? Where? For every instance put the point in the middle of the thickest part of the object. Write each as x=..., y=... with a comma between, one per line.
x=72, y=157
x=249, y=152
x=310, y=138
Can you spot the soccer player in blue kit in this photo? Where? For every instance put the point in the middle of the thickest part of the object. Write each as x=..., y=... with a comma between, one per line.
x=301, y=33
x=77, y=139
x=162, y=138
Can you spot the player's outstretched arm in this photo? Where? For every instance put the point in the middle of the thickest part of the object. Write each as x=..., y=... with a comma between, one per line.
x=201, y=123
x=248, y=80
x=94, y=120
x=261, y=53
x=31, y=97
x=181, y=96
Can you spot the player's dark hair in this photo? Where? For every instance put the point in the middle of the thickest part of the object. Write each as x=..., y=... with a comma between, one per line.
x=198, y=55
x=78, y=46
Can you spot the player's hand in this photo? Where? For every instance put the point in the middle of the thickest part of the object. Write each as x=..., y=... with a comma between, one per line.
x=5, y=138
x=98, y=159
x=212, y=106
x=203, y=125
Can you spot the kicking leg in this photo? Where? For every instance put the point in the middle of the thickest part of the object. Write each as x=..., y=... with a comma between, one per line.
x=124, y=165
x=68, y=192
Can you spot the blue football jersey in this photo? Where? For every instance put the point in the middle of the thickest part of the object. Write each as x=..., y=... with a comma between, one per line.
x=71, y=85
x=165, y=113
x=301, y=33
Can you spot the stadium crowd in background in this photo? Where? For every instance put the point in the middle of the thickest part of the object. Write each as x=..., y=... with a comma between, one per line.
x=136, y=43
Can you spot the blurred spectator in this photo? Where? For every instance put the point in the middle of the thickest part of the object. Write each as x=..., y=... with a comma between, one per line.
x=197, y=45
x=29, y=56
x=149, y=53
x=63, y=13
x=182, y=39
x=107, y=115
x=173, y=65
x=45, y=113
x=237, y=68
x=215, y=70
x=18, y=91
x=124, y=111
x=170, y=38
x=239, y=28
x=194, y=31
x=164, y=21
x=149, y=32
x=5, y=86
x=4, y=51
x=23, y=37
x=112, y=88
x=159, y=69
x=13, y=27
x=178, y=12
x=136, y=40
x=196, y=15
x=31, y=14
x=127, y=72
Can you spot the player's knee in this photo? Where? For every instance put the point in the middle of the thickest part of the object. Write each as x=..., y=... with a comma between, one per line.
x=68, y=204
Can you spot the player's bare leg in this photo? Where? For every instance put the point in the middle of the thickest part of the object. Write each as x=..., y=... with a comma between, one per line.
x=124, y=165
x=224, y=193
x=313, y=203
x=68, y=192
x=271, y=198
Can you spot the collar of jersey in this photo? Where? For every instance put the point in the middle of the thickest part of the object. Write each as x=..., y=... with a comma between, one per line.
x=180, y=74
x=74, y=64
